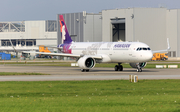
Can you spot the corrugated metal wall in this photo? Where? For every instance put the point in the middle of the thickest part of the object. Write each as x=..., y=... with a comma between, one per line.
x=93, y=28
x=82, y=28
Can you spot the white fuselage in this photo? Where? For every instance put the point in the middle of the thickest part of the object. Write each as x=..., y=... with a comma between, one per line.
x=114, y=51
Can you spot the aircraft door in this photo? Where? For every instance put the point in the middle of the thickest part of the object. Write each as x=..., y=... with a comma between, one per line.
x=132, y=53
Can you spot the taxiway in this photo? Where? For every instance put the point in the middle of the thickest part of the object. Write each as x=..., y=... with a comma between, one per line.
x=74, y=73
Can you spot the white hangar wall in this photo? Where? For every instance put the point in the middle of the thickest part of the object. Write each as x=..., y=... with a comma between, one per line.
x=178, y=33
x=172, y=30
x=150, y=27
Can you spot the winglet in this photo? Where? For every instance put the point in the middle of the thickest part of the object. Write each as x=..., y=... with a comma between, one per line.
x=168, y=44
x=163, y=51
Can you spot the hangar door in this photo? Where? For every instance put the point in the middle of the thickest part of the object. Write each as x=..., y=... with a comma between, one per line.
x=118, y=29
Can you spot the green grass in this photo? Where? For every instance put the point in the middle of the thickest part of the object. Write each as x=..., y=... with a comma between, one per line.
x=17, y=73
x=92, y=96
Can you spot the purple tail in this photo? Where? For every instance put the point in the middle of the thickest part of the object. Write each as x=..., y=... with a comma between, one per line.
x=66, y=39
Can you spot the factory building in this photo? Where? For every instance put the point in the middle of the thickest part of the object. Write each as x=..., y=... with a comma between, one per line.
x=25, y=35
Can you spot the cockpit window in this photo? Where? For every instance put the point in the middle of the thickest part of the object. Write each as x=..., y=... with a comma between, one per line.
x=142, y=48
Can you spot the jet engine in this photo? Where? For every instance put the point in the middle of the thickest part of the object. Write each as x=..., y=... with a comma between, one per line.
x=86, y=63
x=135, y=65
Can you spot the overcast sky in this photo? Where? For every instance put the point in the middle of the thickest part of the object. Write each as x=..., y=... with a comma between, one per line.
x=18, y=10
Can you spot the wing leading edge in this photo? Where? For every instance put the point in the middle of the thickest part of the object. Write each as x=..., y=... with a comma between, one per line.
x=66, y=55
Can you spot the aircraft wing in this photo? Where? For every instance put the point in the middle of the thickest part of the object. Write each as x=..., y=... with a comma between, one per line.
x=55, y=47
x=65, y=55
x=163, y=51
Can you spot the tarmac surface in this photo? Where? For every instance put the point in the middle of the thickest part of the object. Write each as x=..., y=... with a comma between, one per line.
x=74, y=73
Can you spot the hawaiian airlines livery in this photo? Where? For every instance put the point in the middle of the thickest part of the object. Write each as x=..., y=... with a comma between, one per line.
x=90, y=53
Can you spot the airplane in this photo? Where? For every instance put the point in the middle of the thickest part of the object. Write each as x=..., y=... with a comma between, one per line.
x=89, y=53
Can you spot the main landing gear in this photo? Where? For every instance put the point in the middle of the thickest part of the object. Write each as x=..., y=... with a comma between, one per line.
x=84, y=70
x=118, y=67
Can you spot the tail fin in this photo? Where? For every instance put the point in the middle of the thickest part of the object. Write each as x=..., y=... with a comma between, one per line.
x=64, y=32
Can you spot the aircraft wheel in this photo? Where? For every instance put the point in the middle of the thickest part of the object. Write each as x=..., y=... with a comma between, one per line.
x=120, y=68
x=139, y=70
x=116, y=68
x=82, y=70
x=87, y=70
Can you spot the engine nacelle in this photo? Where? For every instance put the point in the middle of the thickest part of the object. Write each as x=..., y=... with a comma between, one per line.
x=86, y=62
x=135, y=65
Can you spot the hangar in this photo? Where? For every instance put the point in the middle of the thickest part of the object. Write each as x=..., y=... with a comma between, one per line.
x=149, y=25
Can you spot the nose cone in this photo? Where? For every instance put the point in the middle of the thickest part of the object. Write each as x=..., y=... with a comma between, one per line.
x=149, y=55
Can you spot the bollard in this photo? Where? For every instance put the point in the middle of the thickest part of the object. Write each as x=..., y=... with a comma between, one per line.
x=133, y=78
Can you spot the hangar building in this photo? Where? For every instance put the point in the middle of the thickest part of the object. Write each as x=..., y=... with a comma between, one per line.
x=149, y=25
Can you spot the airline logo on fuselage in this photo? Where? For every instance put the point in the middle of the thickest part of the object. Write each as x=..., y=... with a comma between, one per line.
x=122, y=45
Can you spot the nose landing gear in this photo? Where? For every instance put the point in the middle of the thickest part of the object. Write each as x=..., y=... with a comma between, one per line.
x=139, y=69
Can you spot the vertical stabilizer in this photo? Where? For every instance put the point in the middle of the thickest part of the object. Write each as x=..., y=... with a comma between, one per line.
x=64, y=32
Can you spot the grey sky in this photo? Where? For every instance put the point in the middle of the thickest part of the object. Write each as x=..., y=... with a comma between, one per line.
x=18, y=10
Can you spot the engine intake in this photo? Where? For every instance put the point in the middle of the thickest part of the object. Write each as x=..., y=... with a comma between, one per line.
x=86, y=62
x=135, y=65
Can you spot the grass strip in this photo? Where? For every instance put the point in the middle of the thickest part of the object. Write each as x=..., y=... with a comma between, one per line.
x=88, y=96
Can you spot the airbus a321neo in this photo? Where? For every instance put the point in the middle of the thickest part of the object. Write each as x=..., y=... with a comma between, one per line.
x=90, y=53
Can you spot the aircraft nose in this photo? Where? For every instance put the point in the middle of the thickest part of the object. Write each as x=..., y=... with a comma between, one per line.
x=149, y=55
